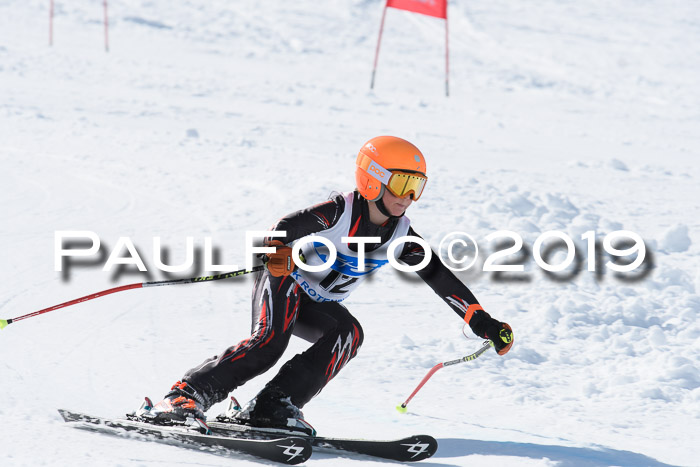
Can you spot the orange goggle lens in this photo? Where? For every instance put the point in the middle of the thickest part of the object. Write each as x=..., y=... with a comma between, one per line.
x=403, y=184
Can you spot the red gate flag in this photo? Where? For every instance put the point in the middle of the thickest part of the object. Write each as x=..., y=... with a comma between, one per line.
x=437, y=8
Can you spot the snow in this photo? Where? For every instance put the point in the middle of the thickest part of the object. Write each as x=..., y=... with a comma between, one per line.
x=675, y=239
x=208, y=119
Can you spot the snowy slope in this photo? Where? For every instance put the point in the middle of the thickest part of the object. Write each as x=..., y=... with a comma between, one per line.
x=208, y=119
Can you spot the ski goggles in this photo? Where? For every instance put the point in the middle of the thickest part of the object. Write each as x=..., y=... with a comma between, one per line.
x=401, y=183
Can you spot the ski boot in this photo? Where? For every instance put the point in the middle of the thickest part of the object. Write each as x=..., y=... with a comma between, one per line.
x=181, y=403
x=270, y=411
x=145, y=415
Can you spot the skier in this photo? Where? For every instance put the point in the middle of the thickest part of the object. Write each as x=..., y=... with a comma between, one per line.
x=287, y=300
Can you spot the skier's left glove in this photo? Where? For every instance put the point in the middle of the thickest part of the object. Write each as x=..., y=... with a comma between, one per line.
x=279, y=263
x=501, y=334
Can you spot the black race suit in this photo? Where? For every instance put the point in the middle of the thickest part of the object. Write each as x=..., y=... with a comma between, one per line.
x=282, y=309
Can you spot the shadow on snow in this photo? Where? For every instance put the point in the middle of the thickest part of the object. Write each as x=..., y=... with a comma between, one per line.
x=564, y=455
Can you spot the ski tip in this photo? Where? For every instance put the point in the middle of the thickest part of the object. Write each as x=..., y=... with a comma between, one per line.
x=402, y=408
x=4, y=323
x=65, y=415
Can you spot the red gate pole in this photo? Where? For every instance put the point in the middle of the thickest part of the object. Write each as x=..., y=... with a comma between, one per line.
x=106, y=27
x=50, y=22
x=447, y=60
x=376, y=55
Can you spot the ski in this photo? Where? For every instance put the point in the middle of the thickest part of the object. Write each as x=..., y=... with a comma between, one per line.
x=409, y=449
x=289, y=450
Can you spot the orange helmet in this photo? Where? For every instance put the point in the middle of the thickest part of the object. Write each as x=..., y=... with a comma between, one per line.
x=388, y=162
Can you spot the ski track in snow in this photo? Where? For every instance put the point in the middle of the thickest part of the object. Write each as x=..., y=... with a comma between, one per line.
x=213, y=119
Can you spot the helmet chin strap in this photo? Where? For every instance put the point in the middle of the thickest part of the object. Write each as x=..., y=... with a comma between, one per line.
x=383, y=209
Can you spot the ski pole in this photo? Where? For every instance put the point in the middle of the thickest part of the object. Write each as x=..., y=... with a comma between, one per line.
x=5, y=322
x=402, y=408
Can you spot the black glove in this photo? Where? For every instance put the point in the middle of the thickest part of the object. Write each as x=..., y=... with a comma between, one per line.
x=501, y=334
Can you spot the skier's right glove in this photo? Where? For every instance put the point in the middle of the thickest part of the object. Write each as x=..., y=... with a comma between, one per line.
x=280, y=263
